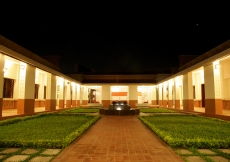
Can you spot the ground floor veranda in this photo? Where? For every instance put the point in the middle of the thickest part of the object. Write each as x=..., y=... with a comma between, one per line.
x=10, y=113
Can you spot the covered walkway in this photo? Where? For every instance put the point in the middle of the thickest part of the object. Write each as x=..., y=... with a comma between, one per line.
x=118, y=138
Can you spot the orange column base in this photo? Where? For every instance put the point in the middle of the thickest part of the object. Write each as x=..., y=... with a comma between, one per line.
x=154, y=102
x=68, y=104
x=84, y=102
x=25, y=106
x=61, y=104
x=73, y=103
x=132, y=103
x=164, y=103
x=160, y=103
x=50, y=105
x=188, y=105
x=1, y=101
x=177, y=104
x=170, y=104
x=213, y=106
x=78, y=103
x=105, y=103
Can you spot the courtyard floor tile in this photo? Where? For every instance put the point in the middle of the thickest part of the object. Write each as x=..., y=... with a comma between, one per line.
x=41, y=159
x=16, y=158
x=194, y=159
x=218, y=159
x=118, y=138
x=51, y=152
x=29, y=151
x=205, y=151
x=9, y=150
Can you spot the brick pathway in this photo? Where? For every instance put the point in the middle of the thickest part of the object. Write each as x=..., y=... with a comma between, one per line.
x=118, y=138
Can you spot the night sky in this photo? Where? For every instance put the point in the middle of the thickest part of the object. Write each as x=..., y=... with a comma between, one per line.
x=117, y=37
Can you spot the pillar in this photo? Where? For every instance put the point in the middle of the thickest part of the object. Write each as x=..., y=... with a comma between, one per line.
x=84, y=95
x=51, y=92
x=154, y=97
x=2, y=62
x=213, y=100
x=177, y=91
x=165, y=93
x=133, y=96
x=105, y=96
x=74, y=95
x=170, y=97
x=188, y=103
x=25, y=104
x=78, y=95
x=68, y=94
x=61, y=92
x=160, y=95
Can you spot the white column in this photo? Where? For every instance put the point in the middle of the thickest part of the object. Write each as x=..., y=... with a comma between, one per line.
x=213, y=99
x=2, y=62
x=51, y=92
x=177, y=88
x=160, y=95
x=170, y=99
x=133, y=96
x=165, y=93
x=188, y=103
x=25, y=103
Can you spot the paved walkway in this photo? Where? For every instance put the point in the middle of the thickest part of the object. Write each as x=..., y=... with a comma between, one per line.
x=118, y=138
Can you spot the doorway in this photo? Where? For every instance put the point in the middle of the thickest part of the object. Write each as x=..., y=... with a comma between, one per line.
x=203, y=95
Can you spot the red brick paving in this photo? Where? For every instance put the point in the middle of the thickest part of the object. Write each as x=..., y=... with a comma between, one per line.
x=118, y=138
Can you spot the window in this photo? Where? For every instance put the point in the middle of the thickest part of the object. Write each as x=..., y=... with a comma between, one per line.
x=8, y=88
x=36, y=91
x=44, y=92
x=194, y=92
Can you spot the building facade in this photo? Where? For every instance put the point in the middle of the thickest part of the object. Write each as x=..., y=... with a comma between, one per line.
x=30, y=84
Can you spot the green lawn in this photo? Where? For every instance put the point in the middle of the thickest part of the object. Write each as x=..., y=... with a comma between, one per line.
x=190, y=130
x=155, y=110
x=44, y=130
x=83, y=110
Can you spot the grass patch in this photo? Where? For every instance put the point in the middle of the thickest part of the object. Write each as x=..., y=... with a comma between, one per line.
x=83, y=110
x=51, y=130
x=156, y=110
x=186, y=131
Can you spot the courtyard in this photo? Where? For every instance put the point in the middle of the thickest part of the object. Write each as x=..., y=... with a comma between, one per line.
x=124, y=138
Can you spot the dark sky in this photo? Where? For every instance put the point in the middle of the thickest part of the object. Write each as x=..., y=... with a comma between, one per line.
x=117, y=37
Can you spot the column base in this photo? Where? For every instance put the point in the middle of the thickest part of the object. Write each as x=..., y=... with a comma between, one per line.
x=73, y=103
x=78, y=103
x=177, y=104
x=160, y=103
x=68, y=104
x=154, y=102
x=105, y=103
x=170, y=104
x=1, y=102
x=188, y=105
x=132, y=103
x=61, y=104
x=50, y=105
x=25, y=106
x=165, y=103
x=213, y=106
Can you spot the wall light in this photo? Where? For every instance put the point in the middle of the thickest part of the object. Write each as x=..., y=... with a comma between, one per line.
x=22, y=67
x=4, y=70
x=217, y=66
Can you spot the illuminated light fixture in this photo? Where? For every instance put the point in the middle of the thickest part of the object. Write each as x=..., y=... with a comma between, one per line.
x=217, y=66
x=118, y=108
x=4, y=70
x=22, y=67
